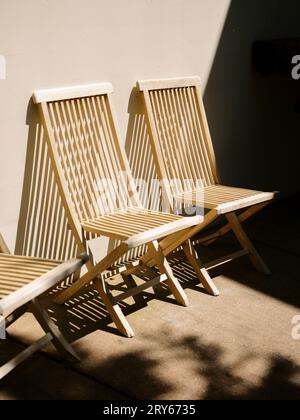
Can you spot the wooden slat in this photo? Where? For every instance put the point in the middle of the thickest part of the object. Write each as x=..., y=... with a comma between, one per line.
x=68, y=157
x=224, y=198
x=200, y=150
x=71, y=210
x=97, y=164
x=177, y=138
x=134, y=199
x=99, y=128
x=206, y=135
x=138, y=223
x=3, y=246
x=74, y=134
x=179, y=133
x=185, y=223
x=86, y=153
x=72, y=92
x=15, y=259
x=189, y=132
x=157, y=148
x=113, y=165
x=155, y=84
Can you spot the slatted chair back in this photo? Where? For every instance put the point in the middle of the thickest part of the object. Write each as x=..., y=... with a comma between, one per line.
x=179, y=133
x=91, y=168
x=182, y=149
x=3, y=246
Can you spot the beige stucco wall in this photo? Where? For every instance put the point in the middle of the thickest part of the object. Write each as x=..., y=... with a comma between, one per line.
x=49, y=43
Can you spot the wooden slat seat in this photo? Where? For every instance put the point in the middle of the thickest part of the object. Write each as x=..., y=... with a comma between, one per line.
x=16, y=272
x=129, y=224
x=224, y=199
x=22, y=281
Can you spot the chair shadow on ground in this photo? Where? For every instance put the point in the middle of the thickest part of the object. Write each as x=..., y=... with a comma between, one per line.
x=139, y=375
x=86, y=313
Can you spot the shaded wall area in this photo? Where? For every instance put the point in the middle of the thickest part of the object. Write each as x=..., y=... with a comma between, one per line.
x=254, y=119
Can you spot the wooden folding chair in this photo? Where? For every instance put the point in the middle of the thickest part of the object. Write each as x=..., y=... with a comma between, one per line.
x=22, y=281
x=99, y=194
x=183, y=150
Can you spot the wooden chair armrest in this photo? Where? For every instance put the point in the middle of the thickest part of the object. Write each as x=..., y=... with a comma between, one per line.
x=163, y=231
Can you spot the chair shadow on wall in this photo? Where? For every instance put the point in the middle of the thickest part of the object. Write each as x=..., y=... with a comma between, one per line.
x=42, y=229
x=138, y=150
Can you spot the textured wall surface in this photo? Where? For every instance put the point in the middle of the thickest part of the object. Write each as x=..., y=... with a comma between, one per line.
x=51, y=43
x=254, y=120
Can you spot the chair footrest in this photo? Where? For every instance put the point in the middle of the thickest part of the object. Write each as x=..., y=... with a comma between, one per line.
x=227, y=259
x=141, y=288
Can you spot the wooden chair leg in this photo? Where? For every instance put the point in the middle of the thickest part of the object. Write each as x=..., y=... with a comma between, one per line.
x=245, y=242
x=15, y=316
x=201, y=272
x=164, y=268
x=113, y=309
x=247, y=214
x=93, y=273
x=49, y=327
x=3, y=326
x=175, y=241
x=24, y=355
x=131, y=284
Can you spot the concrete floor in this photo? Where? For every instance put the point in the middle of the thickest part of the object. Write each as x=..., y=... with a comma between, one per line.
x=236, y=346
